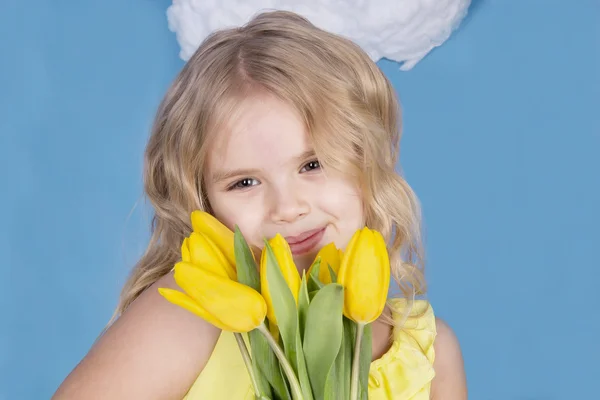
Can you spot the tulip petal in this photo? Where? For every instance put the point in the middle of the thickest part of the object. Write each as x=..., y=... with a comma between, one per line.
x=330, y=257
x=184, y=301
x=384, y=261
x=185, y=251
x=365, y=274
x=205, y=253
x=284, y=257
x=203, y=222
x=239, y=307
x=348, y=255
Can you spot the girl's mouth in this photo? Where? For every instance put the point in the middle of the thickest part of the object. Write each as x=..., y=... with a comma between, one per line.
x=306, y=241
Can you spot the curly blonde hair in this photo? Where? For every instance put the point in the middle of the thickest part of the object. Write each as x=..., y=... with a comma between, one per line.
x=351, y=114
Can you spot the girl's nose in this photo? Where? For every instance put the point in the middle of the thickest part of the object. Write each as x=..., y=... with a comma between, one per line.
x=288, y=205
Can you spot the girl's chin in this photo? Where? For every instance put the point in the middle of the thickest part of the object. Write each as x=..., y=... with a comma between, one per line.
x=304, y=261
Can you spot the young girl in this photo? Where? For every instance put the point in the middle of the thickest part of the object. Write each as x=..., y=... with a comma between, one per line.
x=278, y=127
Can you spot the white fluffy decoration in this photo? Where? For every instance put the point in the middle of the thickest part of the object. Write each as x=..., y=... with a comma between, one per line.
x=400, y=30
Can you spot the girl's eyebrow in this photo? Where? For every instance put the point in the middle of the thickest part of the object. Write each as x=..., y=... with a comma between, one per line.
x=224, y=175
x=305, y=155
x=220, y=176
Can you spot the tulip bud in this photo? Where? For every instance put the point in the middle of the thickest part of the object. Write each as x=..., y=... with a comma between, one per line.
x=226, y=304
x=203, y=222
x=330, y=256
x=365, y=275
x=199, y=249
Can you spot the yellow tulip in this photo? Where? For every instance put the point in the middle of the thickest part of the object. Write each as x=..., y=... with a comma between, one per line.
x=203, y=222
x=199, y=249
x=284, y=258
x=226, y=304
x=365, y=275
x=330, y=256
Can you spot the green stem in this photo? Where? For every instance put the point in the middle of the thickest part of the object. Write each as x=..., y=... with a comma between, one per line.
x=248, y=362
x=356, y=362
x=285, y=364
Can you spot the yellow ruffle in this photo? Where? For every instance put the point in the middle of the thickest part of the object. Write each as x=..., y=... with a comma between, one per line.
x=404, y=372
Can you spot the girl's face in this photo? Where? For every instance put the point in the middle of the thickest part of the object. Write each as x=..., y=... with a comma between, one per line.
x=262, y=175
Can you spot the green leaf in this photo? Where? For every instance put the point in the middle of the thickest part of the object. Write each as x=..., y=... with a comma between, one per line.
x=303, y=302
x=266, y=361
x=323, y=335
x=332, y=274
x=333, y=386
x=366, y=353
x=338, y=381
x=313, y=279
x=348, y=343
x=247, y=271
x=284, y=306
x=302, y=374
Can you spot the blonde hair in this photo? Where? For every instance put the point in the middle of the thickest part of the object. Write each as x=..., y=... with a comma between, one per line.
x=351, y=114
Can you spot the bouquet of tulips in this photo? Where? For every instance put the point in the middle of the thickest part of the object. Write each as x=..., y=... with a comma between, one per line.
x=309, y=336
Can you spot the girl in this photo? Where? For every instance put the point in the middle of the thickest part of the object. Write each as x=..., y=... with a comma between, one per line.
x=278, y=127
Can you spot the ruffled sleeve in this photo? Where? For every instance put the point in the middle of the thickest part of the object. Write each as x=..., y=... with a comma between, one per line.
x=405, y=372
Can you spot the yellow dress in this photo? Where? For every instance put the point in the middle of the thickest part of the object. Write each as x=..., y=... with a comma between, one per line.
x=404, y=372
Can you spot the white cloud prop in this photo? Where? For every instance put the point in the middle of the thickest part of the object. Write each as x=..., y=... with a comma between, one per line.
x=400, y=30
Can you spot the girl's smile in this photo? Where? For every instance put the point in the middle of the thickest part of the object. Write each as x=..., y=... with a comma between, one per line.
x=306, y=241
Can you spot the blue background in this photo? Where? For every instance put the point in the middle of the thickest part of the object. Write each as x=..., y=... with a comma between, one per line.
x=502, y=135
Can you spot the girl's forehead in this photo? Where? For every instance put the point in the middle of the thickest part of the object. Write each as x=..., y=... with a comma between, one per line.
x=265, y=131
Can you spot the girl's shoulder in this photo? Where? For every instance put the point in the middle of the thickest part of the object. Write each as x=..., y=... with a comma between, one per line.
x=141, y=349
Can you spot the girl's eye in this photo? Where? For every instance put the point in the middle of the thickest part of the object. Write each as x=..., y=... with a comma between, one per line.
x=310, y=166
x=243, y=184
